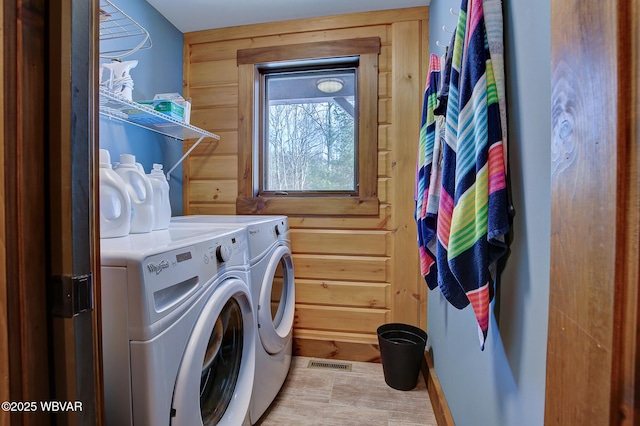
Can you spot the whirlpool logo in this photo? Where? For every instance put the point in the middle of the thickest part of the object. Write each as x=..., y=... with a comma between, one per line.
x=158, y=267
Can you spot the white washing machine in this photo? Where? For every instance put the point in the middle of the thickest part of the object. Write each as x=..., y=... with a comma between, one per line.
x=178, y=328
x=273, y=293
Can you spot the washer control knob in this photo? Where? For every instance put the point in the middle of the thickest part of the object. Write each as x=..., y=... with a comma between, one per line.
x=277, y=229
x=223, y=253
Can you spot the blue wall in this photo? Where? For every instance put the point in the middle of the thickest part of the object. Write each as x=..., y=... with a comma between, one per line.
x=159, y=70
x=505, y=384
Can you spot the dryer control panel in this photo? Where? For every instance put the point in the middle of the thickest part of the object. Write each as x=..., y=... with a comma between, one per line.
x=166, y=272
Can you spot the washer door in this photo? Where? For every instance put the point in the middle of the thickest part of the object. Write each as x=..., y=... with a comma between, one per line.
x=277, y=301
x=216, y=375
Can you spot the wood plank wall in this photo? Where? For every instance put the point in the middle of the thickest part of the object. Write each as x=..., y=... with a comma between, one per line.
x=352, y=273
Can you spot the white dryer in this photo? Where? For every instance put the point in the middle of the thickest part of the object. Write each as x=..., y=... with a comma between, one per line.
x=273, y=293
x=178, y=328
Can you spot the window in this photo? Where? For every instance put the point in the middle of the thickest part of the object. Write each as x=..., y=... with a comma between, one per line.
x=309, y=138
x=308, y=129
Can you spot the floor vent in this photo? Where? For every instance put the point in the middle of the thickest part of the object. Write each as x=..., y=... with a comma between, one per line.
x=338, y=366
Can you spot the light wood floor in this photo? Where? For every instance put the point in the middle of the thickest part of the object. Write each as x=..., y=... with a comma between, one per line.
x=360, y=397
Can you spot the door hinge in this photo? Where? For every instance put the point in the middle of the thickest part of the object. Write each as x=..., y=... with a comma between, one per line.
x=70, y=296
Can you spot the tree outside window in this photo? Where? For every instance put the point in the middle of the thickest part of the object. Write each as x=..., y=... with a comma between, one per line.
x=310, y=141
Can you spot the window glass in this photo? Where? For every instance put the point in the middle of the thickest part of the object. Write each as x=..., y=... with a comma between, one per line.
x=309, y=127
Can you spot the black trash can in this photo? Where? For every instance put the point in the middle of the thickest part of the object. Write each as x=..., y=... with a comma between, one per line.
x=402, y=350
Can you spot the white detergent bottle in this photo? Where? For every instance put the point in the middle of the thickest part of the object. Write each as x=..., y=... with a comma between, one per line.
x=115, y=204
x=141, y=193
x=161, y=202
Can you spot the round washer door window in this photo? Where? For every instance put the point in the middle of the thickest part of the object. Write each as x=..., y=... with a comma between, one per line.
x=221, y=366
x=277, y=301
x=216, y=376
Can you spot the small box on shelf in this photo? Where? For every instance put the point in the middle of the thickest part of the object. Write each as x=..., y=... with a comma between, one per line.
x=170, y=108
x=142, y=117
x=176, y=99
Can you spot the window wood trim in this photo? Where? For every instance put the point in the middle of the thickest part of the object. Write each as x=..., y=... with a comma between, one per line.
x=322, y=49
x=366, y=202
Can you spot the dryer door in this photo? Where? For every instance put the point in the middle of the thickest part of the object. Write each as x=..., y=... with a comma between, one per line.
x=277, y=301
x=216, y=375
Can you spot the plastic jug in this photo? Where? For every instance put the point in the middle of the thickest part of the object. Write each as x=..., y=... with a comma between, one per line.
x=141, y=194
x=115, y=204
x=161, y=202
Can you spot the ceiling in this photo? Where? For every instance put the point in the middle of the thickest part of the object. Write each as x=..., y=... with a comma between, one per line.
x=195, y=15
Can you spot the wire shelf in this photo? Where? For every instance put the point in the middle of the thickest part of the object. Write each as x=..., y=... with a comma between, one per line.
x=114, y=106
x=120, y=35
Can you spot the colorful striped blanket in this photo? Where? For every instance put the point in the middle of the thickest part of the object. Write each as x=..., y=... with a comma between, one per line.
x=473, y=214
x=426, y=220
